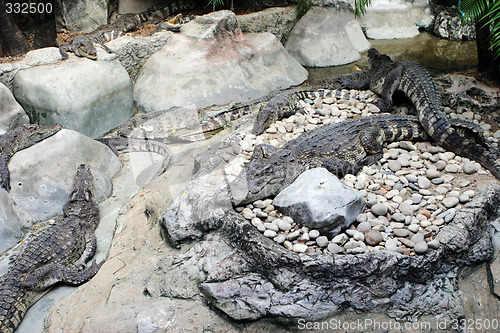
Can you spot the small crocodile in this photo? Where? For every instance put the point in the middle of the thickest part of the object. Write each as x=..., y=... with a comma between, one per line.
x=386, y=76
x=18, y=139
x=341, y=148
x=55, y=253
x=84, y=46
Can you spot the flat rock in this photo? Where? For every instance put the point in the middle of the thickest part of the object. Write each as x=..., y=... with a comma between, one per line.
x=327, y=36
x=10, y=225
x=320, y=201
x=99, y=100
x=212, y=62
x=12, y=114
x=42, y=175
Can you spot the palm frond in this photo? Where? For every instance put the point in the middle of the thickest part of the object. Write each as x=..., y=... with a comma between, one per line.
x=360, y=7
x=473, y=10
x=301, y=7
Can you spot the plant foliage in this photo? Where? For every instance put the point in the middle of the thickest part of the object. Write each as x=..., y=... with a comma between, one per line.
x=488, y=13
x=301, y=7
x=360, y=7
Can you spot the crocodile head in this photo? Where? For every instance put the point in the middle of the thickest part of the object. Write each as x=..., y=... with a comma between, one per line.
x=84, y=47
x=81, y=201
x=262, y=177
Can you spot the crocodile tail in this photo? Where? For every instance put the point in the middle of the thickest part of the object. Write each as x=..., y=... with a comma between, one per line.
x=13, y=304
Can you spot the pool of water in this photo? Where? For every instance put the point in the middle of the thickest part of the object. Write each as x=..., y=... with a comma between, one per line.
x=436, y=54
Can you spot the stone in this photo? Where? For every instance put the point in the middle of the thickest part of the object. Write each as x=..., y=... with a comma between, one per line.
x=450, y=202
x=379, y=209
x=392, y=245
x=270, y=233
x=277, y=20
x=299, y=248
x=403, y=23
x=421, y=247
x=271, y=226
x=90, y=104
x=451, y=168
x=470, y=168
x=42, y=175
x=373, y=237
x=12, y=114
x=400, y=232
x=334, y=248
x=212, y=62
x=327, y=36
x=448, y=24
x=394, y=165
x=363, y=226
x=431, y=174
x=313, y=234
x=11, y=227
x=320, y=201
x=83, y=16
x=424, y=183
x=283, y=225
x=322, y=241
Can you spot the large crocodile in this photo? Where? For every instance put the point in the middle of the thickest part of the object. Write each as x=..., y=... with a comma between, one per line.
x=18, y=139
x=278, y=104
x=55, y=253
x=386, y=76
x=341, y=148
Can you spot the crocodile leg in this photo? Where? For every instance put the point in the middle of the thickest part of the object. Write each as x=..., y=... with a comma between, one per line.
x=62, y=51
x=338, y=167
x=389, y=85
x=48, y=275
x=89, y=251
x=359, y=80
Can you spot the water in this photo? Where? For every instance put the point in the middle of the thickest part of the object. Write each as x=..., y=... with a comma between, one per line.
x=436, y=54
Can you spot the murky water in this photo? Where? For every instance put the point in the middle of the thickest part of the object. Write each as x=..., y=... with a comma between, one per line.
x=436, y=54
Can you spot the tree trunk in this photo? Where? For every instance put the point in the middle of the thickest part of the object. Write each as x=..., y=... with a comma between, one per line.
x=484, y=60
x=12, y=40
x=45, y=28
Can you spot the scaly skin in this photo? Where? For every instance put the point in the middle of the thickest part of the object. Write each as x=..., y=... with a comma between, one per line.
x=341, y=148
x=54, y=253
x=386, y=76
x=18, y=139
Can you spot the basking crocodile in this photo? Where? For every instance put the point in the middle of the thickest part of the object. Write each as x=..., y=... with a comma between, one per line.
x=55, y=253
x=18, y=139
x=279, y=104
x=386, y=76
x=341, y=148
x=84, y=46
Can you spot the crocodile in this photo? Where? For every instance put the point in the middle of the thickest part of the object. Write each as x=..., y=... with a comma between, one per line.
x=214, y=118
x=341, y=148
x=385, y=76
x=84, y=46
x=126, y=145
x=56, y=252
x=18, y=139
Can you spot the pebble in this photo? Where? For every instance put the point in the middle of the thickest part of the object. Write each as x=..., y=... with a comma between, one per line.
x=283, y=225
x=313, y=234
x=391, y=245
x=334, y=248
x=379, y=209
x=424, y=183
x=450, y=202
x=279, y=239
x=270, y=233
x=469, y=168
x=299, y=248
x=421, y=247
x=394, y=165
x=432, y=174
x=322, y=241
x=373, y=237
x=451, y=168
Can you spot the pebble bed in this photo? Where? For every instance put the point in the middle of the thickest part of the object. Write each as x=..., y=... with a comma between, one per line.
x=414, y=190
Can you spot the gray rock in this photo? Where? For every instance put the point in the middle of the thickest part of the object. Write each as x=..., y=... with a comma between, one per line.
x=214, y=63
x=334, y=248
x=398, y=217
x=313, y=234
x=42, y=175
x=98, y=101
x=379, y=209
x=400, y=232
x=394, y=165
x=451, y=168
x=11, y=227
x=12, y=114
x=283, y=225
x=470, y=168
x=431, y=174
x=277, y=20
x=83, y=16
x=318, y=200
x=363, y=226
x=325, y=37
x=392, y=245
x=448, y=24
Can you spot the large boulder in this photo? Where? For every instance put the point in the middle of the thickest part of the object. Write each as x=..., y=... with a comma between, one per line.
x=8, y=70
x=277, y=20
x=327, y=36
x=212, y=62
x=448, y=24
x=88, y=96
x=82, y=15
x=42, y=175
x=10, y=225
x=12, y=114
x=387, y=19
x=319, y=200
